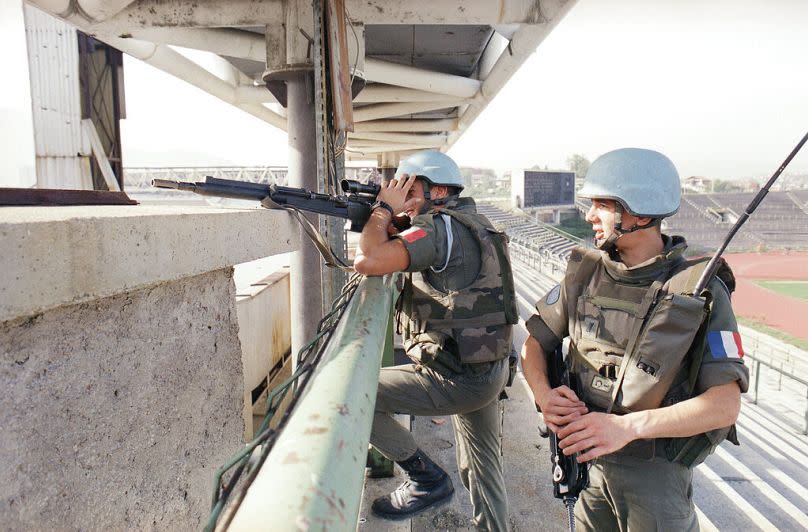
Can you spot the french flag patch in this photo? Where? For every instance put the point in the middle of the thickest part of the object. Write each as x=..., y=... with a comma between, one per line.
x=412, y=234
x=725, y=344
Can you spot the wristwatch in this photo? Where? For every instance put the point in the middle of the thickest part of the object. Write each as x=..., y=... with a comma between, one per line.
x=383, y=205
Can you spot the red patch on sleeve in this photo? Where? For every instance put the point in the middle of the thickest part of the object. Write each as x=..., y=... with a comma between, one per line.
x=412, y=234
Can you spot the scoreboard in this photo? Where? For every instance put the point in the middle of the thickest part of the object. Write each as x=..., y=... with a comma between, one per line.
x=543, y=187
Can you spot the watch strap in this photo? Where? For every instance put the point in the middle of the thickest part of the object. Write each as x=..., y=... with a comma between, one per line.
x=383, y=205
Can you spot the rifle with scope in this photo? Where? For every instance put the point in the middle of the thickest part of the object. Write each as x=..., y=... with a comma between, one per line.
x=354, y=205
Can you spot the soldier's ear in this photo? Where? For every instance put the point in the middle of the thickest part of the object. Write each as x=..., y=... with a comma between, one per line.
x=439, y=191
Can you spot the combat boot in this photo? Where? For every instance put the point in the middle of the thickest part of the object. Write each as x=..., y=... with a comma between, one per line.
x=428, y=484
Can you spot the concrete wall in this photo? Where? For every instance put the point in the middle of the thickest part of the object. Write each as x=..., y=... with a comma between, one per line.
x=120, y=361
x=117, y=412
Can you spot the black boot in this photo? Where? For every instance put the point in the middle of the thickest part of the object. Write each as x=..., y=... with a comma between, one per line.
x=428, y=484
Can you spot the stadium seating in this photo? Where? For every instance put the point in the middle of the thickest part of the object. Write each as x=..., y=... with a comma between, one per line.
x=779, y=222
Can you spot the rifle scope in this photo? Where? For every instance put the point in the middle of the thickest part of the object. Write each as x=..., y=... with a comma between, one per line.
x=355, y=187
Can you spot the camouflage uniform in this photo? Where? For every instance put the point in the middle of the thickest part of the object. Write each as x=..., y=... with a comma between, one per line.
x=640, y=487
x=456, y=330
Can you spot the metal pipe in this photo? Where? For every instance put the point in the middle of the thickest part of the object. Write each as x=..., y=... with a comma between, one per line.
x=371, y=151
x=174, y=63
x=407, y=138
x=313, y=477
x=254, y=94
x=229, y=42
x=417, y=78
x=372, y=94
x=305, y=276
x=385, y=93
x=421, y=126
x=388, y=110
x=82, y=11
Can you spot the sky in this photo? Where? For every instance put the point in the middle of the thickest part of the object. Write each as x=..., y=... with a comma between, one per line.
x=719, y=86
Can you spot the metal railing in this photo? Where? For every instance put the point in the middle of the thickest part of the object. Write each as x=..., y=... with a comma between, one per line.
x=758, y=362
x=313, y=476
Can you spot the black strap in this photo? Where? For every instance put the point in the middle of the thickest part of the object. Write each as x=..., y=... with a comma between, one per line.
x=330, y=258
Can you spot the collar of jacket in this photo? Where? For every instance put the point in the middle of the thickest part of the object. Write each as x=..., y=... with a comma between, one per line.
x=459, y=204
x=644, y=273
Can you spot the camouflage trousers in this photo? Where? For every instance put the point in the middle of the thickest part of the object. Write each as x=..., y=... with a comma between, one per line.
x=471, y=397
x=628, y=493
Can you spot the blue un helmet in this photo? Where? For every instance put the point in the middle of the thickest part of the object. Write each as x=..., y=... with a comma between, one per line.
x=643, y=183
x=435, y=168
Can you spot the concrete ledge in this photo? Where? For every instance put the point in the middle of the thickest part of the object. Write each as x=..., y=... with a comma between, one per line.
x=54, y=256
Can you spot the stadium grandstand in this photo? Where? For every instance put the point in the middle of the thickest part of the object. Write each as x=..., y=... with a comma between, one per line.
x=779, y=222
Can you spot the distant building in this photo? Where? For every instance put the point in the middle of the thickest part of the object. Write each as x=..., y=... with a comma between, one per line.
x=540, y=188
x=697, y=184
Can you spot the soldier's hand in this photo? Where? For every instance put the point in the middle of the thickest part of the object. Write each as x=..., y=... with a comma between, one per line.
x=597, y=434
x=394, y=193
x=560, y=406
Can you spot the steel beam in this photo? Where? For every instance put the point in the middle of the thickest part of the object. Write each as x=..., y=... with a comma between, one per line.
x=214, y=13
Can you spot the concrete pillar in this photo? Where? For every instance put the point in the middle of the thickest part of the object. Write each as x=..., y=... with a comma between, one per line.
x=387, y=163
x=305, y=276
x=17, y=155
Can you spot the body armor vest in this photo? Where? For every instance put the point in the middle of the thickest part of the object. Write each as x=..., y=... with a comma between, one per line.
x=629, y=342
x=489, y=301
x=639, y=346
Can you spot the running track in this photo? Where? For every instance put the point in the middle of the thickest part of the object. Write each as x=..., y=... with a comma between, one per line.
x=788, y=314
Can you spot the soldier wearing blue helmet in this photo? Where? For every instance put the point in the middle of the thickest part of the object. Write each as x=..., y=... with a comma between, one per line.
x=660, y=368
x=455, y=314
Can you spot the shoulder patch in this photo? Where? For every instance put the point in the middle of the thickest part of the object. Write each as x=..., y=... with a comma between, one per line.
x=725, y=344
x=552, y=296
x=412, y=234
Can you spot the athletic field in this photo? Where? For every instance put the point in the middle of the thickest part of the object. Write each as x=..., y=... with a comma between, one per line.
x=772, y=290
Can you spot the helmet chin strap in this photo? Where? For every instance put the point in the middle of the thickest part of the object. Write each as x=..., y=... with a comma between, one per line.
x=610, y=243
x=429, y=202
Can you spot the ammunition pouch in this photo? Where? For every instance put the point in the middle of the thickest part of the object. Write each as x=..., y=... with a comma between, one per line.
x=435, y=350
x=660, y=351
x=693, y=450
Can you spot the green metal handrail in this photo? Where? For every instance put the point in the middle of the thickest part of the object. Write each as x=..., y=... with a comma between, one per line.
x=313, y=477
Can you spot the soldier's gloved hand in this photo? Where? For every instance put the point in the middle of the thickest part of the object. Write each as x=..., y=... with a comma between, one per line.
x=560, y=406
x=394, y=193
x=597, y=434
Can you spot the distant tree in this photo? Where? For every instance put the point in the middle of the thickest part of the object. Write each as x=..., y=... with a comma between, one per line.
x=721, y=185
x=578, y=164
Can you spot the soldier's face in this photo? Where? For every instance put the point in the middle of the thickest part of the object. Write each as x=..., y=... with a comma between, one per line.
x=601, y=216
